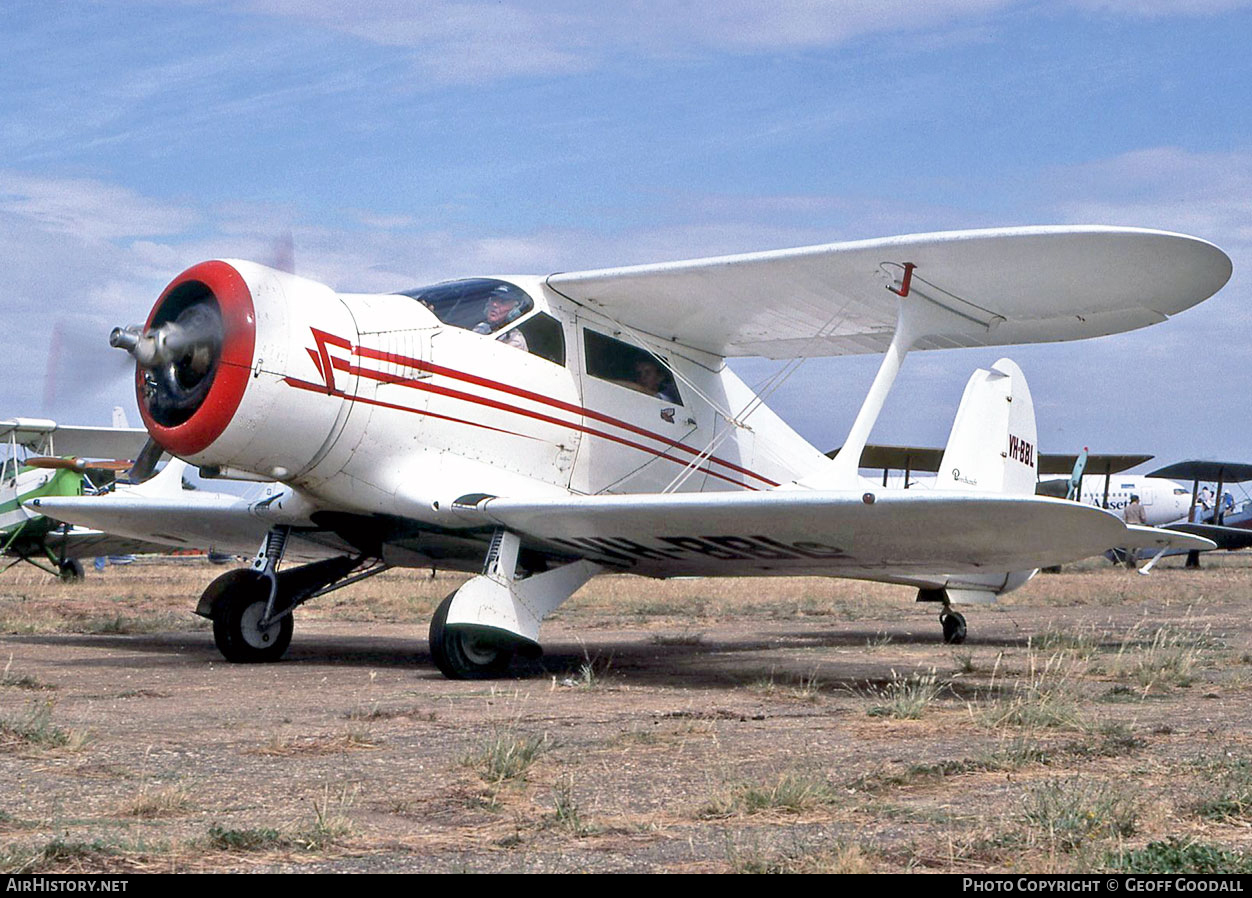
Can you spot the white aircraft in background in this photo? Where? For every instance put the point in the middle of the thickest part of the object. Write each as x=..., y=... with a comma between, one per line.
x=1164, y=501
x=541, y=430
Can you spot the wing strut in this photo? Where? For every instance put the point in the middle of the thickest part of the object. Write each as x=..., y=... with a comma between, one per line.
x=917, y=316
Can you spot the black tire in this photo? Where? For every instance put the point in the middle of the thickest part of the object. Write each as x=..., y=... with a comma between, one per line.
x=71, y=571
x=235, y=614
x=953, y=627
x=460, y=653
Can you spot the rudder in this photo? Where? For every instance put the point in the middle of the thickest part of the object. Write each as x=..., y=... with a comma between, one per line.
x=993, y=446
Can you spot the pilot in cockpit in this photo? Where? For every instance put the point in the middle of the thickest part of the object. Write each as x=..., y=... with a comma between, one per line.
x=499, y=310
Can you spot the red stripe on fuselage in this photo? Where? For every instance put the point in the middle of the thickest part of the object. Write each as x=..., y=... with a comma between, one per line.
x=496, y=404
x=321, y=388
x=420, y=365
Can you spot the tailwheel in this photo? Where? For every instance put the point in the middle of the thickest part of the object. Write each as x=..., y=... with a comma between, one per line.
x=239, y=604
x=466, y=653
x=70, y=571
x=953, y=626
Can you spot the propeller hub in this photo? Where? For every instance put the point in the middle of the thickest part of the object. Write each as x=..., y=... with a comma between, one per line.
x=197, y=344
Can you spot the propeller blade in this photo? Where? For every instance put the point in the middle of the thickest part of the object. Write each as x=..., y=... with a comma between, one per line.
x=1075, y=478
x=55, y=462
x=78, y=464
x=145, y=464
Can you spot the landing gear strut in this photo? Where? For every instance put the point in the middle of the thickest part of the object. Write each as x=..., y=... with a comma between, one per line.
x=251, y=608
x=953, y=622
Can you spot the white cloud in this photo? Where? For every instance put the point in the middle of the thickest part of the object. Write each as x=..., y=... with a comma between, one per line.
x=88, y=209
x=467, y=42
x=485, y=41
x=1208, y=194
x=1152, y=9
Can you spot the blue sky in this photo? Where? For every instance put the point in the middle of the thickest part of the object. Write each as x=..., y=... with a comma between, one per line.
x=400, y=143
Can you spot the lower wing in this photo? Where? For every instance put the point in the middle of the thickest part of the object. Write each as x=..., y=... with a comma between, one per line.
x=903, y=536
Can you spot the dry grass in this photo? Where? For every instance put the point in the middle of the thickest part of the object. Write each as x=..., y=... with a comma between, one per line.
x=14, y=680
x=1067, y=814
x=906, y=697
x=746, y=854
x=1045, y=695
x=287, y=745
x=149, y=804
x=1165, y=656
x=790, y=793
x=1106, y=729
x=33, y=728
x=506, y=755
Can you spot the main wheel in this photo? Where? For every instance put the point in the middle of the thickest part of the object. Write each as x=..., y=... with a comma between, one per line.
x=71, y=571
x=953, y=627
x=236, y=621
x=461, y=653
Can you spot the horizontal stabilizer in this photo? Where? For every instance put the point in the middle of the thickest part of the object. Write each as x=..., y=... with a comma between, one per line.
x=1140, y=537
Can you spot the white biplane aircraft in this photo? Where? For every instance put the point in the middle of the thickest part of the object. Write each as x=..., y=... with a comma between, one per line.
x=541, y=430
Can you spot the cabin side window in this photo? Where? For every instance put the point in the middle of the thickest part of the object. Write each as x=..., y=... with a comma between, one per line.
x=629, y=366
x=540, y=335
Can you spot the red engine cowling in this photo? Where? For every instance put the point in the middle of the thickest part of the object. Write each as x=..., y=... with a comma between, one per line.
x=229, y=366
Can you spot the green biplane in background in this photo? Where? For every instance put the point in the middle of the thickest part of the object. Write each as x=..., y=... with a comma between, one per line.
x=43, y=458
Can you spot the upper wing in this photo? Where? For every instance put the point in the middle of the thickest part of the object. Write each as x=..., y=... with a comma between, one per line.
x=1203, y=469
x=74, y=439
x=886, y=535
x=1010, y=285
x=928, y=458
x=1229, y=538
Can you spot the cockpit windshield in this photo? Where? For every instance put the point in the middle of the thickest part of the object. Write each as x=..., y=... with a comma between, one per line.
x=482, y=305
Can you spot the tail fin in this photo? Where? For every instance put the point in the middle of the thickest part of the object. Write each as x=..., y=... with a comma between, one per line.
x=992, y=447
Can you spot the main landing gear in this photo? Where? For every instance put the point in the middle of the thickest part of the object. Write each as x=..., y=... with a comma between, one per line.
x=251, y=608
x=468, y=653
x=240, y=600
x=478, y=630
x=953, y=622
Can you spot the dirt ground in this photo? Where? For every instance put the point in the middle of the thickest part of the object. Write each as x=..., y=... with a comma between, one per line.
x=1095, y=720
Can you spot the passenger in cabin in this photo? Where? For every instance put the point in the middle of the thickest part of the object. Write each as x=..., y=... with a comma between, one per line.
x=499, y=310
x=652, y=379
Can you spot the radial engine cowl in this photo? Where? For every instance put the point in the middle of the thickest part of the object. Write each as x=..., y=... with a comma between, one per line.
x=212, y=365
